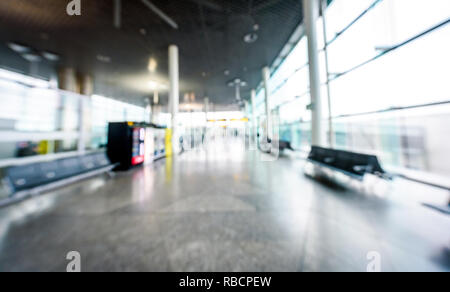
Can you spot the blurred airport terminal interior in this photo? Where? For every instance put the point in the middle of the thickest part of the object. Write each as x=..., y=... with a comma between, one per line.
x=225, y=135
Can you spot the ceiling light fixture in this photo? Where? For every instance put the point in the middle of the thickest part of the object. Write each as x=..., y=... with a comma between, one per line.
x=31, y=57
x=104, y=59
x=237, y=82
x=18, y=48
x=51, y=56
x=250, y=38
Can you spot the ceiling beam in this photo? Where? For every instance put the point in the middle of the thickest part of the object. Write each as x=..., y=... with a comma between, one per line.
x=117, y=13
x=160, y=13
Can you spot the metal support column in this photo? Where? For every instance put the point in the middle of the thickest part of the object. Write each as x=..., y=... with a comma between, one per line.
x=238, y=91
x=174, y=94
x=311, y=15
x=254, y=121
x=330, y=116
x=206, y=107
x=67, y=81
x=266, y=77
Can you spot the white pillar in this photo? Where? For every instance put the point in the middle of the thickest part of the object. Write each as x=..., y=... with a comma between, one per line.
x=67, y=81
x=311, y=15
x=266, y=77
x=82, y=120
x=174, y=93
x=156, y=111
x=148, y=111
x=86, y=85
x=156, y=97
x=254, y=122
x=331, y=137
x=206, y=108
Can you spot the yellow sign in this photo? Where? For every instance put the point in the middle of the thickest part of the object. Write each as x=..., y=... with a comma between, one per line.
x=169, y=149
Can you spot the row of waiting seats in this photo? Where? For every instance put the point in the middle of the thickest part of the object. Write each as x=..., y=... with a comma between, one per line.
x=23, y=179
x=355, y=165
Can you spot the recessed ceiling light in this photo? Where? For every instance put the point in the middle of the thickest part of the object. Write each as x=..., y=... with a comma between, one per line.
x=250, y=38
x=18, y=48
x=104, y=59
x=32, y=57
x=50, y=56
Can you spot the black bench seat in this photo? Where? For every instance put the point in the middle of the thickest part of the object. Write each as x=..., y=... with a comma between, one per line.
x=280, y=145
x=283, y=145
x=355, y=165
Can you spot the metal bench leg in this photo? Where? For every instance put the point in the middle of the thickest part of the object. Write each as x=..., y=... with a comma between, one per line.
x=357, y=184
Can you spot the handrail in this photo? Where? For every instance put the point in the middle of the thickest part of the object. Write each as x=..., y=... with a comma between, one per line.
x=391, y=49
x=392, y=109
x=18, y=136
x=388, y=110
x=375, y=3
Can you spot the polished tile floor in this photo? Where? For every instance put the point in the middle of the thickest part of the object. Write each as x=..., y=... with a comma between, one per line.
x=223, y=209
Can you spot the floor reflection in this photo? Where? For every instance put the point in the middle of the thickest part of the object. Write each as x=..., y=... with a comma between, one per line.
x=222, y=208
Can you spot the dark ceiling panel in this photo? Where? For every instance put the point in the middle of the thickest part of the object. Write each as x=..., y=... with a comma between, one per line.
x=210, y=38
